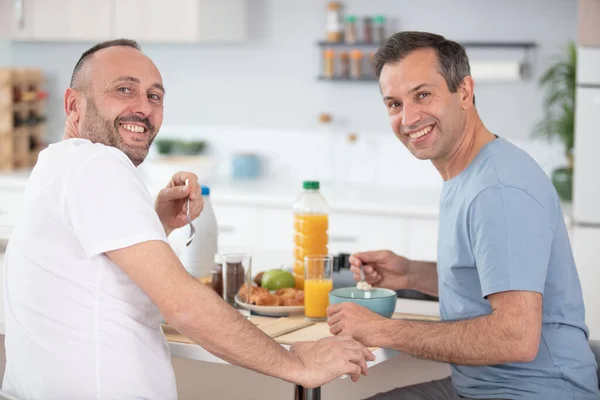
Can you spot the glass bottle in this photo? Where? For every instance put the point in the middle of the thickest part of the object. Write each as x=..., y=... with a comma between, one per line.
x=356, y=64
x=328, y=58
x=344, y=65
x=350, y=36
x=367, y=30
x=334, y=22
x=379, y=29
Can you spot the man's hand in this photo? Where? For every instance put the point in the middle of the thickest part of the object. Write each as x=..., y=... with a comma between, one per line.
x=382, y=269
x=171, y=202
x=360, y=323
x=330, y=358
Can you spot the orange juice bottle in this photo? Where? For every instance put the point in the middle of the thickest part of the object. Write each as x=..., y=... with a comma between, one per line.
x=311, y=222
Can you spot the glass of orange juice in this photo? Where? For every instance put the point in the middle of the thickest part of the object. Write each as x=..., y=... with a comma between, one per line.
x=318, y=282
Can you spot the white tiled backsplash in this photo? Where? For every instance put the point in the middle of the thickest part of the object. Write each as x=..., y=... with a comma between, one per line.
x=375, y=158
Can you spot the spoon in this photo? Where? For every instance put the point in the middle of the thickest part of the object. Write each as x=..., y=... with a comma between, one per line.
x=192, y=229
x=362, y=284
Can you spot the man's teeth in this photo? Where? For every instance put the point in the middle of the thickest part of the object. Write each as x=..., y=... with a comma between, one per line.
x=133, y=128
x=422, y=132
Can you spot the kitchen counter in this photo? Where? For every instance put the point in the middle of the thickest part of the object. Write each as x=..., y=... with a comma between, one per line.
x=182, y=347
x=421, y=202
x=401, y=201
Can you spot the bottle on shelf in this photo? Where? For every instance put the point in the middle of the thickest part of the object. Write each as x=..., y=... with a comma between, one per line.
x=367, y=30
x=379, y=29
x=356, y=64
x=344, y=65
x=311, y=224
x=334, y=22
x=350, y=32
x=329, y=68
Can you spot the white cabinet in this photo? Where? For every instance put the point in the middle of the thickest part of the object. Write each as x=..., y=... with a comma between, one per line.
x=422, y=239
x=153, y=21
x=276, y=231
x=71, y=20
x=352, y=232
x=238, y=227
x=586, y=249
x=60, y=20
x=157, y=21
x=181, y=21
x=16, y=14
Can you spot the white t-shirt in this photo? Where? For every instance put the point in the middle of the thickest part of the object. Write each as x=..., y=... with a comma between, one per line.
x=77, y=327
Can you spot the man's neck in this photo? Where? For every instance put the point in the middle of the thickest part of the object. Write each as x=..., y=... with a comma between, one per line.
x=475, y=138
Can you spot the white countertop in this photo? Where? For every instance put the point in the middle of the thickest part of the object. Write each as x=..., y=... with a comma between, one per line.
x=421, y=202
x=411, y=201
x=402, y=201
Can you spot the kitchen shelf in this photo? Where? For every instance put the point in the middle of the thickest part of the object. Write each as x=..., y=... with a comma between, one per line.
x=496, y=45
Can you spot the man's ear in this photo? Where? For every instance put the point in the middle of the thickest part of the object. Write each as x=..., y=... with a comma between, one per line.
x=466, y=91
x=73, y=103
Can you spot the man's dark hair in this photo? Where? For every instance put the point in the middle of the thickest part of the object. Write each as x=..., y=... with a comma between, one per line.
x=88, y=53
x=452, y=57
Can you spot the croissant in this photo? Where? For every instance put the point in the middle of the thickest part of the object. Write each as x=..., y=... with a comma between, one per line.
x=262, y=297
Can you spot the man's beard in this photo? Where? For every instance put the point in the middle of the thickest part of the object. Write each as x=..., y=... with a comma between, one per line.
x=100, y=130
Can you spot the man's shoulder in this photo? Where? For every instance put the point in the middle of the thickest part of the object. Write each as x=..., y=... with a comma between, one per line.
x=77, y=153
x=506, y=168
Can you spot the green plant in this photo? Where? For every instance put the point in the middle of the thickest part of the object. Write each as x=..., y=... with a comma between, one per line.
x=559, y=102
x=191, y=147
x=178, y=146
x=165, y=146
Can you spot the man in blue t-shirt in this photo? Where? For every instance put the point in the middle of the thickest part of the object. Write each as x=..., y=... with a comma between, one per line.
x=510, y=298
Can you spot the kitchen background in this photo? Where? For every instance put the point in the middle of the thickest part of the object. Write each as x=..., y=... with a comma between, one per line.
x=262, y=95
x=257, y=95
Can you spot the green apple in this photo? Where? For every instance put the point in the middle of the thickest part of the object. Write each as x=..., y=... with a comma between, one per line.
x=276, y=279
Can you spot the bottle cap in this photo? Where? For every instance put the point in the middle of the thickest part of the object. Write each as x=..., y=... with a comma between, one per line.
x=311, y=185
x=205, y=191
x=351, y=18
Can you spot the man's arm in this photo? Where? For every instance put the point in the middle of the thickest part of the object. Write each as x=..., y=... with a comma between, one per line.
x=423, y=277
x=199, y=314
x=511, y=333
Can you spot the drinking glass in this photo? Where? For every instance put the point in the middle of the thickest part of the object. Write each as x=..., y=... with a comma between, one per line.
x=237, y=270
x=318, y=282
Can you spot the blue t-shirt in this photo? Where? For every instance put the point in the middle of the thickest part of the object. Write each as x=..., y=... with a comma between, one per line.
x=502, y=228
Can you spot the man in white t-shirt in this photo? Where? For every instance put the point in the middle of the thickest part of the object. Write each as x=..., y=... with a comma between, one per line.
x=88, y=269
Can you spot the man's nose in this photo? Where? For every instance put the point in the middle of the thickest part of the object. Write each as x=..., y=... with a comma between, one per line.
x=142, y=106
x=411, y=115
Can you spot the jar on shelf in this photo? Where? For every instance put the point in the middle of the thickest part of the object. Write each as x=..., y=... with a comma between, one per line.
x=372, y=71
x=334, y=27
x=367, y=30
x=356, y=64
x=350, y=34
x=328, y=61
x=344, y=65
x=379, y=29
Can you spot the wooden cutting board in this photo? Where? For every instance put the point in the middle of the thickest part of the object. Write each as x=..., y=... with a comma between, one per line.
x=314, y=332
x=415, y=317
x=273, y=327
x=321, y=330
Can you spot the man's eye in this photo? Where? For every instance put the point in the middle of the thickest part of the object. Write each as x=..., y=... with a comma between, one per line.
x=395, y=104
x=154, y=97
x=124, y=90
x=423, y=95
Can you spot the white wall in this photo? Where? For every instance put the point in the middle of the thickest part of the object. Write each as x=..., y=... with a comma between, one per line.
x=5, y=53
x=270, y=81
